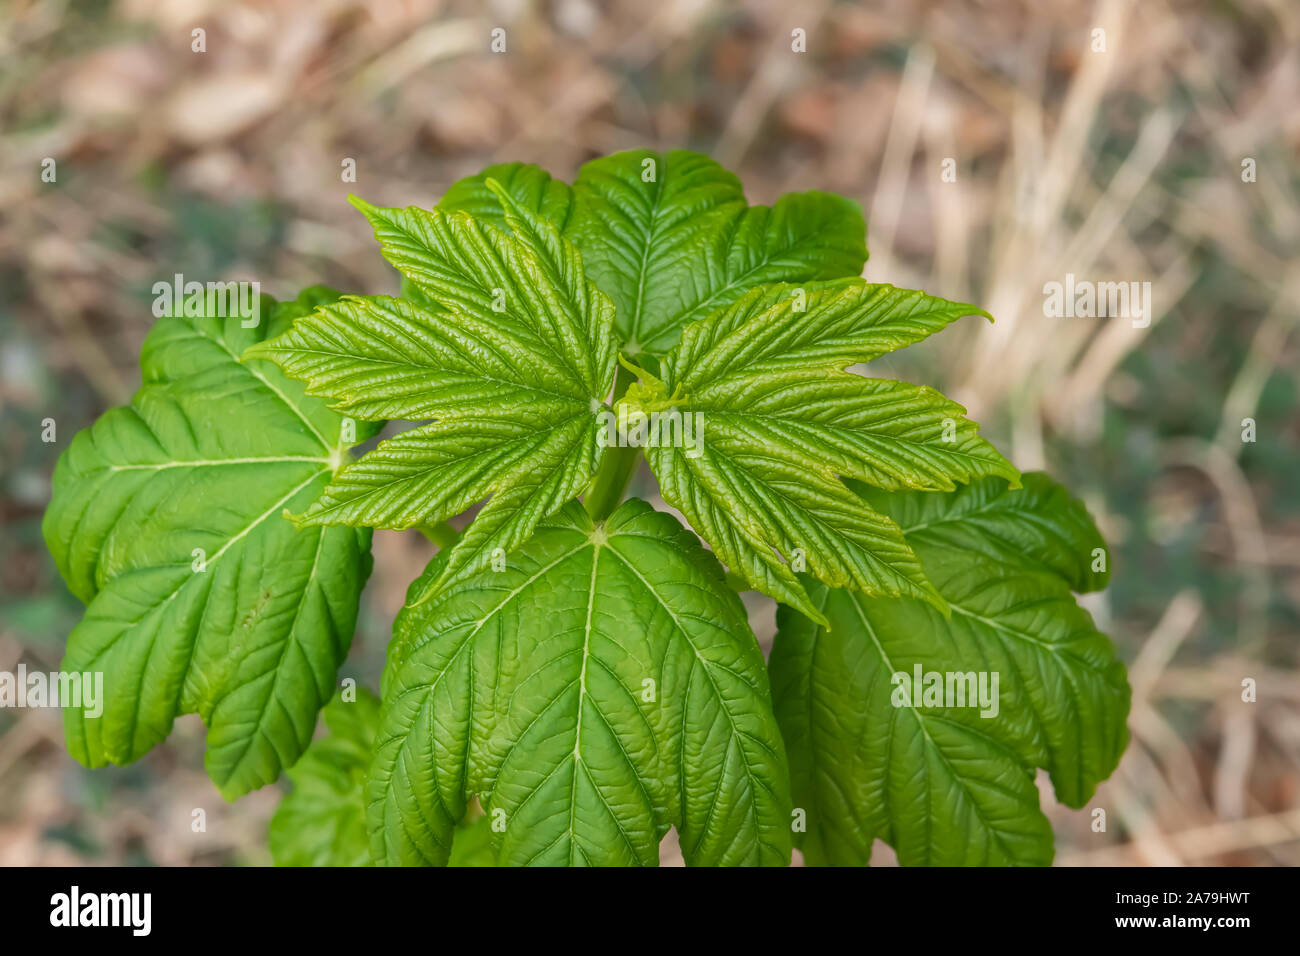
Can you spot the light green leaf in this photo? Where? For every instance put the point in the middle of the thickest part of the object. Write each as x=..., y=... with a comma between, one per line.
x=943, y=783
x=379, y=357
x=890, y=434
x=529, y=282
x=827, y=325
x=166, y=519
x=513, y=372
x=778, y=424
x=764, y=510
x=600, y=689
x=528, y=466
x=531, y=187
x=670, y=238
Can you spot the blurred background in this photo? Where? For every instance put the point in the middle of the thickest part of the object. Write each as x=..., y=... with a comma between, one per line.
x=1164, y=149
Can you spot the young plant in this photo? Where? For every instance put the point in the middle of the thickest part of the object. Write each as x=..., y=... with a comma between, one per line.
x=568, y=681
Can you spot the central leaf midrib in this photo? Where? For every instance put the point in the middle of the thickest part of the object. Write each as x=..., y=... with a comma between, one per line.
x=833, y=530
x=651, y=232
x=472, y=282
x=469, y=376
x=218, y=463
x=582, y=696
x=726, y=413
x=506, y=456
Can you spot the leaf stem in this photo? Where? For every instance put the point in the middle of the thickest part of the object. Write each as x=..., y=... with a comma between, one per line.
x=616, y=468
x=442, y=534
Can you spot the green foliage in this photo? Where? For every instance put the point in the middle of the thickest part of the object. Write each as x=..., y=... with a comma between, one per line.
x=512, y=372
x=322, y=822
x=873, y=757
x=566, y=684
x=784, y=423
x=600, y=690
x=671, y=239
x=165, y=520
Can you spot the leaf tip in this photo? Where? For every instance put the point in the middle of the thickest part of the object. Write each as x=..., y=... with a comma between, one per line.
x=507, y=203
x=813, y=613
x=435, y=585
x=426, y=592
x=258, y=350
x=361, y=205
